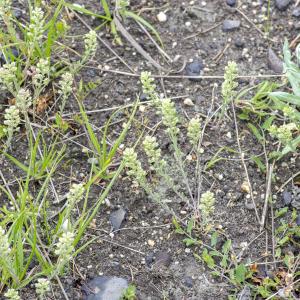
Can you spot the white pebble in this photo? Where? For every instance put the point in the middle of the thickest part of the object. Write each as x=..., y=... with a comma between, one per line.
x=188, y=102
x=161, y=17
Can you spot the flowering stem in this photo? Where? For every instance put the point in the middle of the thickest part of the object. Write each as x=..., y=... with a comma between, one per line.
x=178, y=157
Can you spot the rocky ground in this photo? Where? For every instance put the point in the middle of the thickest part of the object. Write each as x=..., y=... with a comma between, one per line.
x=136, y=241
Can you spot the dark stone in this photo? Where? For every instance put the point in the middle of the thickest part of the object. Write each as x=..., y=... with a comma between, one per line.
x=239, y=43
x=116, y=218
x=230, y=25
x=231, y=2
x=195, y=69
x=188, y=281
x=287, y=198
x=298, y=220
x=282, y=4
x=17, y=13
x=149, y=259
x=105, y=288
x=296, y=12
x=274, y=62
x=143, y=97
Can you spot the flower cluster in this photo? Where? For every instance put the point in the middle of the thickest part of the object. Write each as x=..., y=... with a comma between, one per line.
x=64, y=248
x=5, y=7
x=65, y=84
x=42, y=287
x=206, y=206
x=75, y=194
x=41, y=75
x=90, y=44
x=149, y=88
x=23, y=100
x=152, y=151
x=283, y=133
x=8, y=75
x=4, y=245
x=35, y=28
x=194, y=131
x=12, y=119
x=229, y=85
x=12, y=294
x=169, y=116
x=133, y=165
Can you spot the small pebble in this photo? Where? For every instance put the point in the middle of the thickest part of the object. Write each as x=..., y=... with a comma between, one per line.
x=239, y=43
x=274, y=62
x=151, y=243
x=116, y=218
x=162, y=17
x=282, y=4
x=230, y=25
x=17, y=13
x=296, y=12
x=231, y=2
x=298, y=220
x=245, y=187
x=195, y=69
x=188, y=102
x=287, y=198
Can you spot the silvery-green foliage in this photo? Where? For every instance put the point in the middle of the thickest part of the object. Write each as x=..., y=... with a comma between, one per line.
x=207, y=202
x=36, y=26
x=12, y=294
x=42, y=286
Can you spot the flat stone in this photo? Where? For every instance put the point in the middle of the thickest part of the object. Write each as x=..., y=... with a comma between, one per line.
x=116, y=218
x=298, y=220
x=230, y=25
x=239, y=43
x=195, y=69
x=282, y=4
x=231, y=2
x=296, y=12
x=287, y=198
x=105, y=288
x=274, y=62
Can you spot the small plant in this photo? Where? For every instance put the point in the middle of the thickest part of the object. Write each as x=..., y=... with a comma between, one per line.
x=130, y=293
x=159, y=164
x=42, y=287
x=229, y=86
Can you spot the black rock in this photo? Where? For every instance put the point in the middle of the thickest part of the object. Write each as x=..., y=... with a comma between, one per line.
x=17, y=13
x=239, y=43
x=298, y=220
x=143, y=97
x=195, y=69
x=230, y=25
x=231, y=2
x=188, y=281
x=105, y=288
x=287, y=198
x=296, y=12
x=149, y=259
x=116, y=218
x=282, y=4
x=274, y=62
